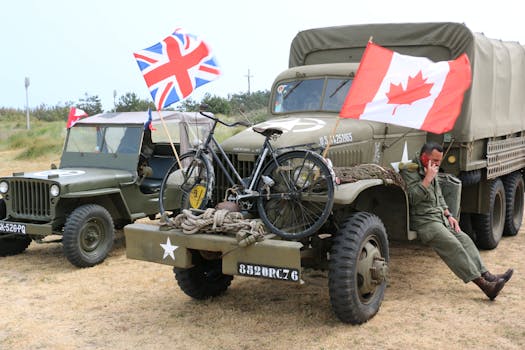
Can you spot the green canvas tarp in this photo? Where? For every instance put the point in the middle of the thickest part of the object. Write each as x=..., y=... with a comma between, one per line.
x=495, y=103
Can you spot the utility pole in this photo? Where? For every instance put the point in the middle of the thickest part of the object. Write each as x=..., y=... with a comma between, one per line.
x=114, y=99
x=26, y=83
x=248, y=76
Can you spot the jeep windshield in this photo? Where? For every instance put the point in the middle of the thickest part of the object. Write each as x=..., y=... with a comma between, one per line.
x=103, y=146
x=325, y=94
x=104, y=139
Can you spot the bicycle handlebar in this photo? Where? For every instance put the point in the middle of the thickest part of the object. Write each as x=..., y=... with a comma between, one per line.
x=241, y=122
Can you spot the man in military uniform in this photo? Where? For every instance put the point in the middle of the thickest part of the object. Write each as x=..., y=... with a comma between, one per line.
x=435, y=226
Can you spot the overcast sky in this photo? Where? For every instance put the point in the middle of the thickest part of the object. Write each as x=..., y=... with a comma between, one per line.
x=69, y=48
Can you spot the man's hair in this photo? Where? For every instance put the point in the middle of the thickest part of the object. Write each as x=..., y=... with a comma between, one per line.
x=429, y=147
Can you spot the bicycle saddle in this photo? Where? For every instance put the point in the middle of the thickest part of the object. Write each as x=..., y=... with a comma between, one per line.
x=268, y=132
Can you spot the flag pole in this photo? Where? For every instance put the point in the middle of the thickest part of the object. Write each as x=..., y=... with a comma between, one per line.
x=331, y=136
x=169, y=137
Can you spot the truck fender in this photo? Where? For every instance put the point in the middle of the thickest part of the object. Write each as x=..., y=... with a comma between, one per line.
x=347, y=193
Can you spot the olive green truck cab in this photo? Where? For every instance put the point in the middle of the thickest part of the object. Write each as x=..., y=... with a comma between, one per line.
x=98, y=186
x=485, y=151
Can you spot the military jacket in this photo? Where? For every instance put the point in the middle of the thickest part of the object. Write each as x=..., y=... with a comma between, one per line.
x=426, y=204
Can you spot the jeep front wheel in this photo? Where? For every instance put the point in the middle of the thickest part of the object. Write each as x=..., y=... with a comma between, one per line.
x=358, y=268
x=204, y=280
x=88, y=235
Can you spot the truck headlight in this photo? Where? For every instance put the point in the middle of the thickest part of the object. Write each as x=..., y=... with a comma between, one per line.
x=4, y=186
x=54, y=190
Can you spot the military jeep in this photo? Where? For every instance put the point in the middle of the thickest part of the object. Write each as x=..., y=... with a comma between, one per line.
x=109, y=175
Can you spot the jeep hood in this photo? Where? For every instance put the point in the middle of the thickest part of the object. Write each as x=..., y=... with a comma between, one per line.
x=81, y=179
x=302, y=130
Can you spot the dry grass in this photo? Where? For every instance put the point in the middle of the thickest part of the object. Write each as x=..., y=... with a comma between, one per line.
x=46, y=303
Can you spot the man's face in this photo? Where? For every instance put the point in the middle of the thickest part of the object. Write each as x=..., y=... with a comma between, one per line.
x=434, y=158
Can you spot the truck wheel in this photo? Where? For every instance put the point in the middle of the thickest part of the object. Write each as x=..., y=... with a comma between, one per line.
x=358, y=268
x=88, y=235
x=489, y=226
x=15, y=245
x=204, y=280
x=514, y=188
x=470, y=177
x=465, y=223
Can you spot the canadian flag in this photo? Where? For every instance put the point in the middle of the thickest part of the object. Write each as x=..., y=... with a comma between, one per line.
x=75, y=114
x=406, y=90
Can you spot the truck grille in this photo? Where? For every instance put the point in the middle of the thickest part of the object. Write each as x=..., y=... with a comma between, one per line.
x=244, y=168
x=30, y=199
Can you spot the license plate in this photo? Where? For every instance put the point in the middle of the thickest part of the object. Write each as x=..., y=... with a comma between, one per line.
x=10, y=227
x=270, y=272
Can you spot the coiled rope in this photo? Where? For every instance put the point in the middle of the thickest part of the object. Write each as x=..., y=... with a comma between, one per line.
x=220, y=221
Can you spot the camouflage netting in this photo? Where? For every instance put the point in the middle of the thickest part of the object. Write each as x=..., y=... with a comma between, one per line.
x=368, y=171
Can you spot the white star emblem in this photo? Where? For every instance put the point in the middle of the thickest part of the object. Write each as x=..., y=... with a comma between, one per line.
x=295, y=124
x=404, y=159
x=168, y=249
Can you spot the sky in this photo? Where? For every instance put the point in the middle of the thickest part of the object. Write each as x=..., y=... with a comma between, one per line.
x=69, y=48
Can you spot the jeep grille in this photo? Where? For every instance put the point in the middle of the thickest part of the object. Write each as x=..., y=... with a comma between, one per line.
x=221, y=182
x=30, y=199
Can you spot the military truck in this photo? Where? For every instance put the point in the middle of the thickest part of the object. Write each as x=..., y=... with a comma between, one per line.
x=109, y=175
x=485, y=150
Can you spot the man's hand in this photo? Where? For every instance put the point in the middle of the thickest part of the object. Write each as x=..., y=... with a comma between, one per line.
x=431, y=172
x=454, y=223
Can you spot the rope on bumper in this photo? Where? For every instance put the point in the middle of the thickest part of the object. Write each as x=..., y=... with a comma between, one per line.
x=220, y=221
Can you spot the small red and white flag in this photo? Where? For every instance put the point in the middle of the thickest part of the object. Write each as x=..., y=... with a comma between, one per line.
x=406, y=90
x=75, y=114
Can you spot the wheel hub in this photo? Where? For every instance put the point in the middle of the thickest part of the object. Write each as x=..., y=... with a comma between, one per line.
x=91, y=237
x=372, y=269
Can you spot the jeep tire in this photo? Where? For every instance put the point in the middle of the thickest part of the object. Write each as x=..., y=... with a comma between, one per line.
x=358, y=268
x=88, y=235
x=204, y=280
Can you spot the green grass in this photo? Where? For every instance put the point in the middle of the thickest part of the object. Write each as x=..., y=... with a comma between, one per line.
x=42, y=139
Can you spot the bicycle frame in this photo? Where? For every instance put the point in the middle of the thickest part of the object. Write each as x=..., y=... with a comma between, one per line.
x=209, y=147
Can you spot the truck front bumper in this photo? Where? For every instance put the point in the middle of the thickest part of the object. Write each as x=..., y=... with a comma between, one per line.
x=270, y=258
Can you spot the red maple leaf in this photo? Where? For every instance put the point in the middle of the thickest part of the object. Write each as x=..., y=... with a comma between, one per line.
x=417, y=89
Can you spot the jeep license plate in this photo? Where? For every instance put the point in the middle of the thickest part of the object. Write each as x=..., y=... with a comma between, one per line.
x=9, y=227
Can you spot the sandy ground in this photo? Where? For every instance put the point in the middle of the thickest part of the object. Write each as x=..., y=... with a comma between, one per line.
x=46, y=303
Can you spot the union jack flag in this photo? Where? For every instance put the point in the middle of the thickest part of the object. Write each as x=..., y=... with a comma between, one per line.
x=176, y=66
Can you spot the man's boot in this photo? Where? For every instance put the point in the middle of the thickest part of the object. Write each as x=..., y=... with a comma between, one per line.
x=493, y=278
x=491, y=289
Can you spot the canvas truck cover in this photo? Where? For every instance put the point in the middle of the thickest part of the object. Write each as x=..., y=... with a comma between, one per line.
x=495, y=103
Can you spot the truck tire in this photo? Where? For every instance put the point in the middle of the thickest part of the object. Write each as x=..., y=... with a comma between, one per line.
x=470, y=177
x=358, y=267
x=204, y=280
x=514, y=187
x=88, y=235
x=465, y=223
x=489, y=226
x=14, y=245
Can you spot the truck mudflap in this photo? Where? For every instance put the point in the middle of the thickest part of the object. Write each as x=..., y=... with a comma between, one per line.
x=270, y=258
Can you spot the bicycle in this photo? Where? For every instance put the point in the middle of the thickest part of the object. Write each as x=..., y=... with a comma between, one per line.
x=291, y=190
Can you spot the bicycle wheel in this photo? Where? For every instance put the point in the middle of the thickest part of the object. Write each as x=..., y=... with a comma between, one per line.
x=296, y=194
x=189, y=187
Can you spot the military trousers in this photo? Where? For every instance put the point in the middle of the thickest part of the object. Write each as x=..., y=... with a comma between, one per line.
x=455, y=248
